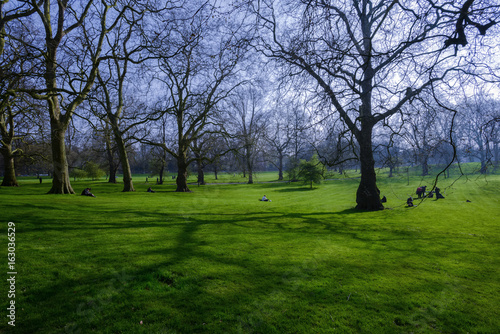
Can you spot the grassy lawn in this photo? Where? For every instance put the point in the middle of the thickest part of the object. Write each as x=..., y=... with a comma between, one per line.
x=219, y=261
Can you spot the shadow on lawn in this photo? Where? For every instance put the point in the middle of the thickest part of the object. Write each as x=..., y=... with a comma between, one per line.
x=247, y=290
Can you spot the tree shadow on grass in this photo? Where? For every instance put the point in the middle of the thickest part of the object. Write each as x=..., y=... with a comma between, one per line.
x=248, y=291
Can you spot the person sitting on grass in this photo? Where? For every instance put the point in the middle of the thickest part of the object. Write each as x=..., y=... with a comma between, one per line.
x=86, y=192
x=409, y=201
x=150, y=190
x=265, y=199
x=438, y=193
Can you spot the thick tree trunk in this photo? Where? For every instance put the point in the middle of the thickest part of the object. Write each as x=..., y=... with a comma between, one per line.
x=201, y=174
x=250, y=175
x=112, y=174
x=368, y=194
x=483, y=167
x=9, y=178
x=128, y=185
x=425, y=166
x=60, y=178
x=182, y=173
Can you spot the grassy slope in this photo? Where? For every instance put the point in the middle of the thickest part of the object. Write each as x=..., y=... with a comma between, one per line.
x=218, y=260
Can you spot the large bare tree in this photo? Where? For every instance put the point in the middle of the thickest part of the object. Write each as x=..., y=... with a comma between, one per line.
x=112, y=85
x=196, y=71
x=367, y=58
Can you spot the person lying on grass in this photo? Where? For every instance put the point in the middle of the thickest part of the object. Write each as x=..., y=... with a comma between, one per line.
x=150, y=190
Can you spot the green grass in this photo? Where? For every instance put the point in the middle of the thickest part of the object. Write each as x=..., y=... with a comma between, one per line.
x=219, y=261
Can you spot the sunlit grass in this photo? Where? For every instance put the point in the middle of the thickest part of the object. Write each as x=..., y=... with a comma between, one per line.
x=220, y=261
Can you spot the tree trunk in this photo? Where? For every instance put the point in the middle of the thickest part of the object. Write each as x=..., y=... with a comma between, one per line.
x=58, y=124
x=199, y=167
x=483, y=167
x=215, y=171
x=249, y=164
x=162, y=168
x=250, y=175
x=182, y=173
x=201, y=174
x=368, y=195
x=9, y=178
x=128, y=185
x=112, y=167
x=425, y=166
x=112, y=174
x=483, y=149
x=109, y=154
x=60, y=178
x=280, y=166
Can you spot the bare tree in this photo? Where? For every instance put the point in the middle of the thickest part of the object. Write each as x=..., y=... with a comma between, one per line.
x=248, y=121
x=159, y=155
x=478, y=132
x=15, y=65
x=421, y=131
x=278, y=136
x=207, y=150
x=70, y=62
x=287, y=130
x=112, y=75
x=368, y=59
x=195, y=71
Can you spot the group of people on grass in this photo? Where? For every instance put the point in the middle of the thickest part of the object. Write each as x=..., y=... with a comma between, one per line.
x=421, y=193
